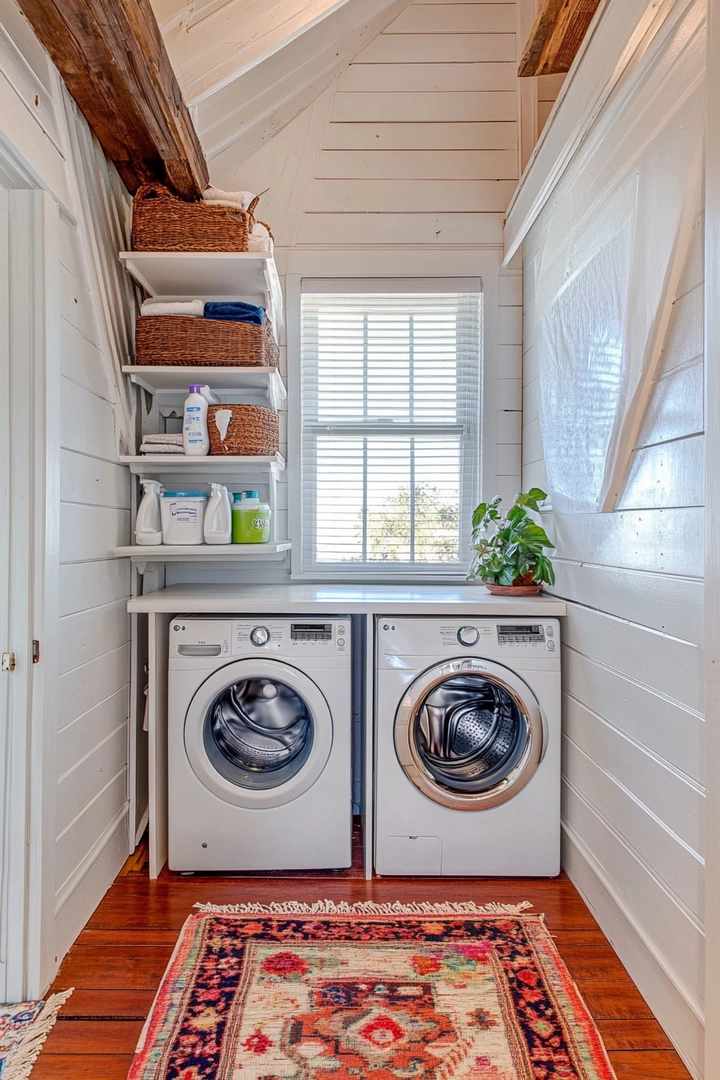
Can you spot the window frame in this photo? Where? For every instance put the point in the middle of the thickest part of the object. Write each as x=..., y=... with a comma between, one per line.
x=299, y=285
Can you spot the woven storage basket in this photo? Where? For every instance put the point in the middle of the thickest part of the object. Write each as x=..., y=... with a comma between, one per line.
x=252, y=430
x=185, y=341
x=162, y=222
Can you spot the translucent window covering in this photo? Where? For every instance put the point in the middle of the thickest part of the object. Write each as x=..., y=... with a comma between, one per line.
x=390, y=417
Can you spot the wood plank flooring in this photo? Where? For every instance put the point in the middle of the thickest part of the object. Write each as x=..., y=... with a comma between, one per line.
x=119, y=959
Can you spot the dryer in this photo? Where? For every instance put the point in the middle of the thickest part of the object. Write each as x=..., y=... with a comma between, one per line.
x=467, y=746
x=259, y=743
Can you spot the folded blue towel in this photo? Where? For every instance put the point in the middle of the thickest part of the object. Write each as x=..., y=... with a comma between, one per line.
x=235, y=311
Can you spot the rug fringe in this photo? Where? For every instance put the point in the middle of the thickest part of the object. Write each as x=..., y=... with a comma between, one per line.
x=19, y=1065
x=364, y=907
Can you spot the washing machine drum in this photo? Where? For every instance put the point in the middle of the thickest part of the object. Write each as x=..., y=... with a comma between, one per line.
x=469, y=739
x=258, y=732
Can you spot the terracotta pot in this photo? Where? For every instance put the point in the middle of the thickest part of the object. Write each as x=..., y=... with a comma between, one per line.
x=513, y=590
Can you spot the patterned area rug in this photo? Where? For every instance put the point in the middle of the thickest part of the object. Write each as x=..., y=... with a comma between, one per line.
x=368, y=992
x=23, y=1030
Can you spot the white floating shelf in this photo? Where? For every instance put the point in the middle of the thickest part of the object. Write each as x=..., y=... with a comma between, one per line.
x=167, y=553
x=221, y=275
x=222, y=380
x=211, y=465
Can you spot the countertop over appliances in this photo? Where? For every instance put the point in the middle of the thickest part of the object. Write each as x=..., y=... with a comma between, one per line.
x=344, y=599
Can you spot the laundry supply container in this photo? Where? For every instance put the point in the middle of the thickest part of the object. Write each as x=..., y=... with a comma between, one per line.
x=183, y=516
x=250, y=519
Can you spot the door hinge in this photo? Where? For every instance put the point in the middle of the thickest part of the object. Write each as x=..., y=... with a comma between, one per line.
x=36, y=651
x=8, y=661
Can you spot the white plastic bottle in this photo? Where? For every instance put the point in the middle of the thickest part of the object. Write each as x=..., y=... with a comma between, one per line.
x=148, y=526
x=196, y=442
x=217, y=528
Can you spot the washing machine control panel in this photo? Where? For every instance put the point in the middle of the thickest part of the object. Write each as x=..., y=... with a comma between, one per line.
x=403, y=637
x=301, y=636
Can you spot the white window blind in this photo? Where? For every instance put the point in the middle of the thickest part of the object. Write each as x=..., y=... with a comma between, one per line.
x=390, y=416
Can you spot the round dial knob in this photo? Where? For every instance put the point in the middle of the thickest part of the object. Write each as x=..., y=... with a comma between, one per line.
x=468, y=635
x=260, y=635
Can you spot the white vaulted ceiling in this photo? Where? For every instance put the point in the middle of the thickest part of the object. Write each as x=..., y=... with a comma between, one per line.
x=249, y=67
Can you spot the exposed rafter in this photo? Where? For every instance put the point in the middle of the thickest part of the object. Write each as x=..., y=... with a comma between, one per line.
x=556, y=36
x=112, y=57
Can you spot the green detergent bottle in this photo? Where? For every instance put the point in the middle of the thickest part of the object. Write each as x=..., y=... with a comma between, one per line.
x=250, y=519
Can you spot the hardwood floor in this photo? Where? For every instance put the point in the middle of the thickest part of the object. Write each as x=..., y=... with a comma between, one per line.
x=121, y=955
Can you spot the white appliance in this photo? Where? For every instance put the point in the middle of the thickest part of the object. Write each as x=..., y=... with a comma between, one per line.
x=467, y=746
x=259, y=743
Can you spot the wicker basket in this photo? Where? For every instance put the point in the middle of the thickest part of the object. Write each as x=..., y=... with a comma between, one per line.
x=162, y=222
x=186, y=341
x=252, y=430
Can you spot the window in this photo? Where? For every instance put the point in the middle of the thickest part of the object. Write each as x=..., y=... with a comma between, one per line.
x=390, y=412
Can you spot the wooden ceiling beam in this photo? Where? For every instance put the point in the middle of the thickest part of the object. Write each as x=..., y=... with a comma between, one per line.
x=113, y=59
x=556, y=36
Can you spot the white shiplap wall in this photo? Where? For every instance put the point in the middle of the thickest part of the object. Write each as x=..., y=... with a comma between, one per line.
x=94, y=629
x=633, y=799
x=405, y=167
x=88, y=705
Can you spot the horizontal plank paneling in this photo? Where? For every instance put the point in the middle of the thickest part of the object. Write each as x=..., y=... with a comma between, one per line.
x=685, y=336
x=510, y=361
x=417, y=165
x=666, y=923
x=90, y=584
x=676, y=407
x=90, y=775
x=666, y=664
x=427, y=229
x=509, y=426
x=675, y=734
x=90, y=634
x=438, y=49
x=88, y=422
x=90, y=729
x=509, y=329
x=91, y=532
x=508, y=458
x=671, y=474
x=398, y=196
x=91, y=480
x=454, y=19
x=673, y=605
x=532, y=442
x=666, y=541
x=76, y=305
x=673, y=800
x=82, y=361
x=679, y=869
x=84, y=687
x=76, y=841
x=427, y=78
x=509, y=395
x=419, y=136
x=427, y=107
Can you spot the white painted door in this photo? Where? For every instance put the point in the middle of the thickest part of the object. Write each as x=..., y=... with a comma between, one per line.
x=5, y=643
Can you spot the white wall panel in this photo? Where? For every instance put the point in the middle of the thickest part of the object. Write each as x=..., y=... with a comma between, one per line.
x=92, y=633
x=426, y=107
x=678, y=867
x=449, y=18
x=90, y=774
x=673, y=605
x=422, y=136
x=633, y=765
x=85, y=585
x=85, y=686
x=668, y=730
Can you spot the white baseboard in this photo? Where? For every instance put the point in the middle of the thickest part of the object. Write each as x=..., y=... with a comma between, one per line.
x=669, y=1005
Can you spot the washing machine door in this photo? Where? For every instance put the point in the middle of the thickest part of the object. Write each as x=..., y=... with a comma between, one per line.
x=469, y=734
x=258, y=733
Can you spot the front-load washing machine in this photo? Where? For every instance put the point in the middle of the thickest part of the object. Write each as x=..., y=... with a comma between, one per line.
x=259, y=743
x=467, y=746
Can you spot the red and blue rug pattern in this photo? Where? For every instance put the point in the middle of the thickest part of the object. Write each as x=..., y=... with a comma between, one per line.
x=374, y=992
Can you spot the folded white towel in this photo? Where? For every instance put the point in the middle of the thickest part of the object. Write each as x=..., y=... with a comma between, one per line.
x=239, y=200
x=169, y=438
x=262, y=244
x=173, y=307
x=160, y=448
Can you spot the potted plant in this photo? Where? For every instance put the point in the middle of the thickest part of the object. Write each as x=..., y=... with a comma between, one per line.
x=509, y=550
